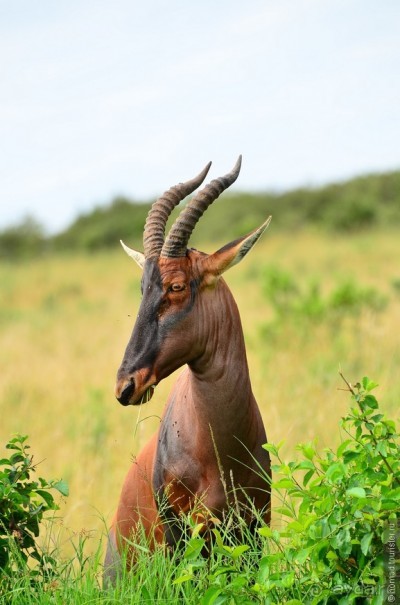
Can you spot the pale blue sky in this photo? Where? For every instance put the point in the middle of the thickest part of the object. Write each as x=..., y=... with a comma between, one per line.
x=99, y=97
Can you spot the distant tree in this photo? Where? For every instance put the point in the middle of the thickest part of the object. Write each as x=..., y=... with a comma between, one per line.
x=23, y=240
x=360, y=203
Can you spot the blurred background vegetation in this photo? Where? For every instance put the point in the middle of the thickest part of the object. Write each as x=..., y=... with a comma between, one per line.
x=360, y=203
x=320, y=292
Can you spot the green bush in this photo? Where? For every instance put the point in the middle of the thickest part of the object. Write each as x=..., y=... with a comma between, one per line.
x=293, y=302
x=351, y=297
x=23, y=503
x=25, y=240
x=340, y=508
x=104, y=227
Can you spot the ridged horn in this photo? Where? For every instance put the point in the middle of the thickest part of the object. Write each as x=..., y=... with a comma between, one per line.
x=154, y=229
x=177, y=240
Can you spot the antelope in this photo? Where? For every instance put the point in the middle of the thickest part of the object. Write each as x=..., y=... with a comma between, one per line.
x=208, y=448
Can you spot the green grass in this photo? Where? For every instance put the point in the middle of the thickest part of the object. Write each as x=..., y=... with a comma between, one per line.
x=338, y=511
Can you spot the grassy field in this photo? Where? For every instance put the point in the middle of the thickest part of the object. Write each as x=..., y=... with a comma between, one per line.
x=65, y=321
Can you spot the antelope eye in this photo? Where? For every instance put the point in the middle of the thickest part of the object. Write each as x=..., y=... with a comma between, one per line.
x=177, y=287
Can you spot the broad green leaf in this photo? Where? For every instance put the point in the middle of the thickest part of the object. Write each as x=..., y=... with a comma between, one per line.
x=185, y=577
x=371, y=402
x=335, y=472
x=343, y=446
x=287, y=579
x=305, y=465
x=239, y=550
x=389, y=504
x=356, y=492
x=194, y=548
x=366, y=542
x=350, y=455
x=394, y=494
x=388, y=481
x=265, y=532
x=282, y=484
x=62, y=487
x=283, y=510
x=210, y=595
x=381, y=448
x=220, y=542
x=296, y=526
x=379, y=430
x=17, y=457
x=270, y=447
x=273, y=447
x=308, y=476
x=386, y=535
x=302, y=555
x=368, y=384
x=309, y=451
x=197, y=529
x=47, y=497
x=222, y=571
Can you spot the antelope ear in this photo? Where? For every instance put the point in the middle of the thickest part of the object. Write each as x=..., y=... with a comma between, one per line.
x=138, y=257
x=232, y=253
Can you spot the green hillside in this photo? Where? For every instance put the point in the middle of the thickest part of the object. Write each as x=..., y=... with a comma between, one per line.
x=359, y=203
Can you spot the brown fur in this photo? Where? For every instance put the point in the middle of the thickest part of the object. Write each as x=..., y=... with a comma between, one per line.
x=209, y=445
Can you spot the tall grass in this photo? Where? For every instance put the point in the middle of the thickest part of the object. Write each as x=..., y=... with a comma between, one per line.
x=336, y=542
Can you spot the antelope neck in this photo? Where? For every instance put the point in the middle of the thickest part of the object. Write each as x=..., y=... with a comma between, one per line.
x=219, y=378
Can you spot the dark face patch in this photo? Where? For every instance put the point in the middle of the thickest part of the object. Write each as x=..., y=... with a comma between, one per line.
x=163, y=306
x=143, y=345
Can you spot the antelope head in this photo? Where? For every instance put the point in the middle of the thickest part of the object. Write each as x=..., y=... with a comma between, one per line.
x=177, y=288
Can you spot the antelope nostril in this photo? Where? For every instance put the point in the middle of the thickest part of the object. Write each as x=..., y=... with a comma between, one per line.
x=126, y=393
